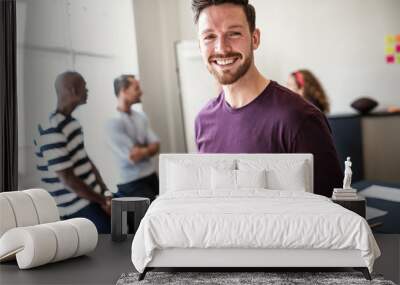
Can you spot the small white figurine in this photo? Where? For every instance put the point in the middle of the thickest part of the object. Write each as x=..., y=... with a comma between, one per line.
x=347, y=174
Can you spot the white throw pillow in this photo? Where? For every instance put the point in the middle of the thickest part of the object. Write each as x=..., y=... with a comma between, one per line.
x=251, y=178
x=183, y=178
x=226, y=179
x=223, y=179
x=282, y=174
x=189, y=174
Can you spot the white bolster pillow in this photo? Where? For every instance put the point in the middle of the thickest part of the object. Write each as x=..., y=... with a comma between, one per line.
x=40, y=244
x=87, y=235
x=33, y=246
x=26, y=208
x=67, y=240
x=22, y=207
x=7, y=218
x=45, y=205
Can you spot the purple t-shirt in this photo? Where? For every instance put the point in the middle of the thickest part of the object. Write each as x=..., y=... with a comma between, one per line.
x=277, y=121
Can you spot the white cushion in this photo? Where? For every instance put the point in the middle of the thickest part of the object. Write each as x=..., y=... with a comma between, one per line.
x=183, y=178
x=23, y=208
x=26, y=208
x=40, y=244
x=251, y=178
x=67, y=239
x=33, y=246
x=7, y=218
x=87, y=235
x=223, y=179
x=193, y=175
x=231, y=180
x=282, y=174
x=45, y=205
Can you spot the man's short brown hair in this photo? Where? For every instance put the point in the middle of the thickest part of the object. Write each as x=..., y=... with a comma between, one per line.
x=200, y=5
x=122, y=82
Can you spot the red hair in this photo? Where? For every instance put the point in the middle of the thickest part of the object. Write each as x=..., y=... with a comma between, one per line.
x=312, y=89
x=298, y=76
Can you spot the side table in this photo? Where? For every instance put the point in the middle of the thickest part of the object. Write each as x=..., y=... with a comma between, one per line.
x=119, y=208
x=357, y=205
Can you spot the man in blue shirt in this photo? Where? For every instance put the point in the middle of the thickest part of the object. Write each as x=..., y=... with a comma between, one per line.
x=133, y=142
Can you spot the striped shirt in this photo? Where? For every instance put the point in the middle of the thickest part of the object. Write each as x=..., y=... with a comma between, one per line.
x=60, y=146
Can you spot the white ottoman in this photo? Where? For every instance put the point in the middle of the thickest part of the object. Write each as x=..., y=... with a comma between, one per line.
x=31, y=233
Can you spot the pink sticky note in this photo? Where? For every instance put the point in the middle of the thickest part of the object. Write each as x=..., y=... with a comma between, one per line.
x=390, y=59
x=398, y=48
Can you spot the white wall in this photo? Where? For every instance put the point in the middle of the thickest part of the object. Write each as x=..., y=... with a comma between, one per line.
x=196, y=85
x=342, y=42
x=157, y=26
x=94, y=37
x=187, y=28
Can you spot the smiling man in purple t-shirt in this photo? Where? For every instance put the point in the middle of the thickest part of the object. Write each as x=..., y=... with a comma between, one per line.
x=253, y=114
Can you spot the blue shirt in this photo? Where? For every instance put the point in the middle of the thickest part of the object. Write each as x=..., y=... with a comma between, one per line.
x=60, y=146
x=124, y=132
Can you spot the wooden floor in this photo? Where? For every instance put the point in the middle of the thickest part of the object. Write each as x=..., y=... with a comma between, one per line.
x=389, y=262
x=110, y=260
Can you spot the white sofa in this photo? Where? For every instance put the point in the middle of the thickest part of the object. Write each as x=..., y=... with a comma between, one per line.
x=31, y=232
x=287, y=175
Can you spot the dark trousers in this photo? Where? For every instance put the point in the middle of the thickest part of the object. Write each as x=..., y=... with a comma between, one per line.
x=146, y=187
x=96, y=214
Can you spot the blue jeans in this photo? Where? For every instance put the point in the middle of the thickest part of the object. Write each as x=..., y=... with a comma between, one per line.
x=96, y=214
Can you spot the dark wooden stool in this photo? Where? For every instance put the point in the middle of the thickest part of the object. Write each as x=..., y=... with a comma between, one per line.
x=119, y=209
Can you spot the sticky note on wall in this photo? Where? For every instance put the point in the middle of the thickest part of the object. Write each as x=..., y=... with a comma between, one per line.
x=392, y=49
x=390, y=59
x=390, y=40
x=389, y=50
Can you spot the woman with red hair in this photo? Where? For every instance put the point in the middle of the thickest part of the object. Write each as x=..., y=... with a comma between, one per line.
x=304, y=83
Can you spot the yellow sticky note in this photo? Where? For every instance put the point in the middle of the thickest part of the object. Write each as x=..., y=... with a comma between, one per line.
x=389, y=50
x=398, y=58
x=390, y=40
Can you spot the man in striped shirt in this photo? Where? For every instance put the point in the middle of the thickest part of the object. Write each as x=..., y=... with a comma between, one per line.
x=69, y=174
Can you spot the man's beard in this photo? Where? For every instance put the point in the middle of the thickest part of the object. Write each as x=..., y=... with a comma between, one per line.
x=227, y=77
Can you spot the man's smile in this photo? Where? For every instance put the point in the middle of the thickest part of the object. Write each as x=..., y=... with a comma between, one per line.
x=224, y=61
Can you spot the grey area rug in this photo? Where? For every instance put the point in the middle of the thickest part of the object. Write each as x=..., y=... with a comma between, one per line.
x=229, y=278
